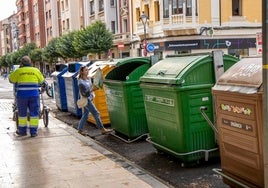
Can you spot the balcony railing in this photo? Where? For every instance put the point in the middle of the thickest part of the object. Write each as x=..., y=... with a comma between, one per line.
x=122, y=37
x=180, y=21
x=174, y=22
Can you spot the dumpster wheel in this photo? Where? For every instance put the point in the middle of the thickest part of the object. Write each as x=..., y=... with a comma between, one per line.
x=129, y=140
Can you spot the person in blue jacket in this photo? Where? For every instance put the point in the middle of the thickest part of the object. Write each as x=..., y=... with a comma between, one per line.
x=28, y=80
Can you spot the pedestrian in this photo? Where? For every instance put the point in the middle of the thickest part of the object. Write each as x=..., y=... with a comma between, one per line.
x=86, y=89
x=5, y=75
x=28, y=80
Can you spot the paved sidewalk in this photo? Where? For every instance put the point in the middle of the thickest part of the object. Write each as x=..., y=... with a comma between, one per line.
x=60, y=157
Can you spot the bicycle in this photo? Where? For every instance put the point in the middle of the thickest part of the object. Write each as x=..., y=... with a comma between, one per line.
x=48, y=89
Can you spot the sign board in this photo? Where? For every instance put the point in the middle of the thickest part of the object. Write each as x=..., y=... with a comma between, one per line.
x=150, y=47
x=121, y=46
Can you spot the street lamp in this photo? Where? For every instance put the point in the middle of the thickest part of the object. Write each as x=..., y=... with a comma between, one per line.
x=144, y=20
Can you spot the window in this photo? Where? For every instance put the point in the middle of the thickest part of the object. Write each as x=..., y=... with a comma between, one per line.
x=113, y=26
x=156, y=10
x=91, y=5
x=62, y=6
x=67, y=24
x=177, y=7
x=165, y=9
x=138, y=14
x=63, y=25
x=124, y=2
x=112, y=3
x=27, y=15
x=36, y=22
x=37, y=36
x=101, y=5
x=66, y=4
x=36, y=8
x=125, y=25
x=189, y=8
x=236, y=7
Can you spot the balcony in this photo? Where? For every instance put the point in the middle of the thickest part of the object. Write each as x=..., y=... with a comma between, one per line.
x=21, y=23
x=180, y=21
x=122, y=38
x=22, y=34
x=177, y=24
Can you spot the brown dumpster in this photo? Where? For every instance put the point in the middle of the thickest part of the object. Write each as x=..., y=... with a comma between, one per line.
x=238, y=107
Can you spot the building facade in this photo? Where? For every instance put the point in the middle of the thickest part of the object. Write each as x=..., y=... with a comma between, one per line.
x=5, y=37
x=52, y=20
x=194, y=26
x=39, y=23
x=173, y=26
x=72, y=18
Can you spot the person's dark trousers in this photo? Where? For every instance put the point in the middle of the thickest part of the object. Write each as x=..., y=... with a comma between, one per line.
x=31, y=105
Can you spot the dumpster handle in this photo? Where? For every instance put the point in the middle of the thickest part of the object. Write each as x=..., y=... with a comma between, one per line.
x=219, y=171
x=202, y=110
x=182, y=154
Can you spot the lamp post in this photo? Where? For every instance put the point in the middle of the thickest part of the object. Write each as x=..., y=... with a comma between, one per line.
x=144, y=20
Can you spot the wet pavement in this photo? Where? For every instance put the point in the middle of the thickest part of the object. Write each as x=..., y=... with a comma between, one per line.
x=139, y=158
x=60, y=157
x=161, y=165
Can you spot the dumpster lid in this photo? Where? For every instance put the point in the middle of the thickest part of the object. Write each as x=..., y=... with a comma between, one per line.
x=126, y=60
x=245, y=76
x=171, y=70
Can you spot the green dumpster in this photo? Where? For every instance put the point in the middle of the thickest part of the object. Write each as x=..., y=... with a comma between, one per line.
x=125, y=99
x=174, y=90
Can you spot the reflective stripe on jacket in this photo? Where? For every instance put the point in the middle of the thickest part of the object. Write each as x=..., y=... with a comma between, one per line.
x=28, y=80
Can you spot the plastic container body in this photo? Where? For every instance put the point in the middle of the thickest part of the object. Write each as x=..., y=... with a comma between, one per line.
x=71, y=87
x=124, y=97
x=238, y=106
x=100, y=99
x=174, y=90
x=59, y=86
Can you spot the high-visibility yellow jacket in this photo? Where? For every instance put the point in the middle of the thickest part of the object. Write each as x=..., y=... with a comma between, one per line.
x=27, y=80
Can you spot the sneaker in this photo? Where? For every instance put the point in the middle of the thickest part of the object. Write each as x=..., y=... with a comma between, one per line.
x=106, y=131
x=82, y=133
x=20, y=134
x=34, y=135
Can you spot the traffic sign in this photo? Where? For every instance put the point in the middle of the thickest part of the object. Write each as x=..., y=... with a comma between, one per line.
x=150, y=47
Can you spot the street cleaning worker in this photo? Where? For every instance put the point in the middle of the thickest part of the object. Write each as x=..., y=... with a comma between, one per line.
x=28, y=80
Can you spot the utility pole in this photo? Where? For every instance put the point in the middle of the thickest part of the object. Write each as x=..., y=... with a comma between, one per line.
x=144, y=19
x=265, y=88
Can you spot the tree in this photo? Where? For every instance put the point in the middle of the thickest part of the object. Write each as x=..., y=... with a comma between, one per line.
x=3, y=61
x=36, y=55
x=50, y=53
x=25, y=50
x=93, y=39
x=65, y=46
x=16, y=58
